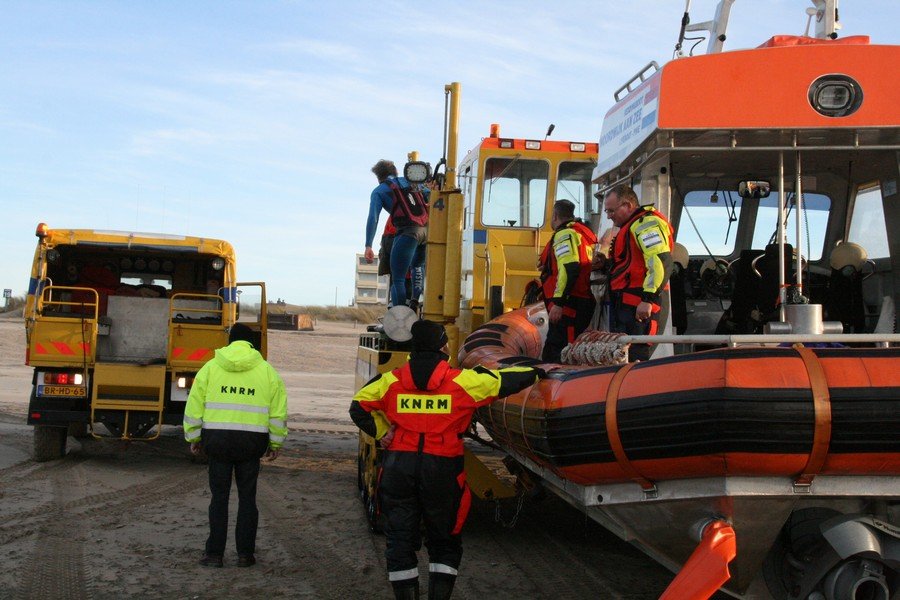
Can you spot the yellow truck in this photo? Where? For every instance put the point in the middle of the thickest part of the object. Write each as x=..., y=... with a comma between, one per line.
x=489, y=219
x=117, y=325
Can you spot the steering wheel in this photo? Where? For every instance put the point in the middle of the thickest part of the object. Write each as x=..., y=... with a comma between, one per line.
x=718, y=277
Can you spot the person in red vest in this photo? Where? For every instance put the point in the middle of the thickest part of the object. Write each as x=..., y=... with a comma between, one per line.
x=419, y=413
x=639, y=267
x=565, y=266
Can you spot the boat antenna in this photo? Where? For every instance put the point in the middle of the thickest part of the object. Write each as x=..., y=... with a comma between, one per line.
x=715, y=28
x=810, y=13
x=685, y=20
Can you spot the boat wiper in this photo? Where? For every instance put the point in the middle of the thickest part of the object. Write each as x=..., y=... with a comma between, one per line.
x=732, y=217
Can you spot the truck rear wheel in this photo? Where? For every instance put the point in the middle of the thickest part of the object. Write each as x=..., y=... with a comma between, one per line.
x=78, y=430
x=49, y=442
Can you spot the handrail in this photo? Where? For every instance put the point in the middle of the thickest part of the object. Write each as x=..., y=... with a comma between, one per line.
x=647, y=156
x=736, y=339
x=190, y=296
x=638, y=75
x=49, y=301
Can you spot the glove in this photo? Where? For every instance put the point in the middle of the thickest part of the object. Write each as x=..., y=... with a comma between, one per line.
x=387, y=438
x=541, y=373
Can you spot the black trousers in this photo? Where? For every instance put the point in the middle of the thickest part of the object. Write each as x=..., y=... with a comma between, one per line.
x=245, y=475
x=575, y=319
x=417, y=487
x=623, y=320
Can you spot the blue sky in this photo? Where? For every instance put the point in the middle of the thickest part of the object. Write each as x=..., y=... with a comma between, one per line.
x=258, y=121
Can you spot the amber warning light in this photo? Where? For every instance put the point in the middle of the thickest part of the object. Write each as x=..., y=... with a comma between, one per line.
x=41, y=230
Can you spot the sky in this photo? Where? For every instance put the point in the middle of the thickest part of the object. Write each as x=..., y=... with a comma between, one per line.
x=258, y=121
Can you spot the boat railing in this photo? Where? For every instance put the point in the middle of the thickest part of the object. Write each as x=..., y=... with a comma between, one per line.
x=641, y=76
x=881, y=340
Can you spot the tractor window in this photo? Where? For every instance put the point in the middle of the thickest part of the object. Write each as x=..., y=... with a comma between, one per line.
x=708, y=223
x=515, y=192
x=574, y=184
x=814, y=221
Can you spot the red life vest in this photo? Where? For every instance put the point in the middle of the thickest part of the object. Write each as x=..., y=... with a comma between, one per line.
x=627, y=266
x=431, y=421
x=410, y=207
x=550, y=267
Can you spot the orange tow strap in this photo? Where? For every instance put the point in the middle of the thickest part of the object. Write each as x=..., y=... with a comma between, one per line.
x=612, y=429
x=822, y=407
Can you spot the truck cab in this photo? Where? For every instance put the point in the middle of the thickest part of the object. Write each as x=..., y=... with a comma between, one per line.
x=509, y=186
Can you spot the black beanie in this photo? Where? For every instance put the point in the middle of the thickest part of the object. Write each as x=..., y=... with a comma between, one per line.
x=240, y=332
x=428, y=336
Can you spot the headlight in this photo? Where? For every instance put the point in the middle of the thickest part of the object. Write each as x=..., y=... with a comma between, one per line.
x=218, y=264
x=417, y=171
x=835, y=95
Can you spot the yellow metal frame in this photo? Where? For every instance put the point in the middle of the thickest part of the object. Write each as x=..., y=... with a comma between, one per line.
x=114, y=387
x=67, y=328
x=199, y=335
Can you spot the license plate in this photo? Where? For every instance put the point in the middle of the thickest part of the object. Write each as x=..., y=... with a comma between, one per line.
x=72, y=391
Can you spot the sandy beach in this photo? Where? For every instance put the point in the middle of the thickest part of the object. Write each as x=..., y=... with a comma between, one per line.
x=112, y=520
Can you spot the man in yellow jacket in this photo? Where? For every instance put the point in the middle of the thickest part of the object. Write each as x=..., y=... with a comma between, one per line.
x=237, y=413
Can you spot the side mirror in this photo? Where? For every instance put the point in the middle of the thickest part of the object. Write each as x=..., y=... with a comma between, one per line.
x=417, y=171
x=754, y=189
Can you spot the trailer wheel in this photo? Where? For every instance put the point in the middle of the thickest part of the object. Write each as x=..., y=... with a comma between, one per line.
x=368, y=460
x=49, y=442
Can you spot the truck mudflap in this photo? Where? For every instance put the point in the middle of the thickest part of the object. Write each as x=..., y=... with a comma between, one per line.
x=128, y=400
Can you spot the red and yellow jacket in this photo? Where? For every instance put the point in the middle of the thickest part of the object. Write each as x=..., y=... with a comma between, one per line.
x=566, y=263
x=641, y=257
x=431, y=403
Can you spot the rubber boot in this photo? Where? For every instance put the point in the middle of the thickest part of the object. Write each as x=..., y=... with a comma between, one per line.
x=440, y=586
x=406, y=589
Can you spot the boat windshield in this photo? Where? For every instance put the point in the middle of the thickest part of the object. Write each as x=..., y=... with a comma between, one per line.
x=813, y=223
x=708, y=223
x=867, y=225
x=515, y=192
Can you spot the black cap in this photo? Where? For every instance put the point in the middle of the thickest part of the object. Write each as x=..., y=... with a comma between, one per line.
x=428, y=336
x=240, y=332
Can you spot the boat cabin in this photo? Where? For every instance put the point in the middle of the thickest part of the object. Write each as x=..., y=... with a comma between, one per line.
x=808, y=159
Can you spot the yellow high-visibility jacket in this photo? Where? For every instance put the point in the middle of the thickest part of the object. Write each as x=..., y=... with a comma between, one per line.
x=237, y=391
